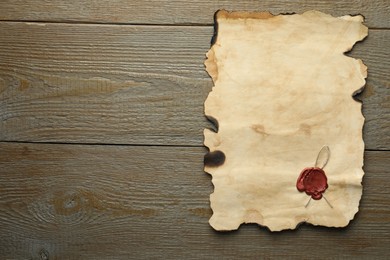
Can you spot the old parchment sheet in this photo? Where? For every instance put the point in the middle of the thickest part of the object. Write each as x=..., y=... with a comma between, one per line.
x=282, y=90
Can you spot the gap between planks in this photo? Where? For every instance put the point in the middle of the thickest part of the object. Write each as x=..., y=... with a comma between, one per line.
x=135, y=24
x=106, y=144
x=137, y=145
x=112, y=23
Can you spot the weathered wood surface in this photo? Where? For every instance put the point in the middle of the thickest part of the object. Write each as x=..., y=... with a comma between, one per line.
x=133, y=84
x=180, y=11
x=62, y=81
x=100, y=202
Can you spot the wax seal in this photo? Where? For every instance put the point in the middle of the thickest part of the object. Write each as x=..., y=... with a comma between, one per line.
x=313, y=180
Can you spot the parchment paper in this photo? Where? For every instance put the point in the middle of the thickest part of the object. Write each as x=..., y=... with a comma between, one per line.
x=282, y=90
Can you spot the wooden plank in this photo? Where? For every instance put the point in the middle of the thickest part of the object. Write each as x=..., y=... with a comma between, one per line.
x=180, y=11
x=121, y=202
x=133, y=84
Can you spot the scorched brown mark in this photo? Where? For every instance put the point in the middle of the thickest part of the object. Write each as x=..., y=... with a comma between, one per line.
x=214, y=159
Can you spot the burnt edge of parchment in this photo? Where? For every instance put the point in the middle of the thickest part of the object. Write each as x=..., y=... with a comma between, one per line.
x=222, y=13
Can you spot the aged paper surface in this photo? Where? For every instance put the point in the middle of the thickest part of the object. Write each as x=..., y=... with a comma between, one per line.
x=282, y=90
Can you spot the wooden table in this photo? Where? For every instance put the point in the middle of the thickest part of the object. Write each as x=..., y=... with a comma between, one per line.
x=101, y=120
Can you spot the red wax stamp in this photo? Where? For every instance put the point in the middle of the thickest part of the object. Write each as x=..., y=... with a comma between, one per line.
x=313, y=181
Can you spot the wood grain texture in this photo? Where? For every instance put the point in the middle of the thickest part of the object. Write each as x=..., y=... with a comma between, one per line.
x=121, y=202
x=180, y=11
x=133, y=84
x=90, y=83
